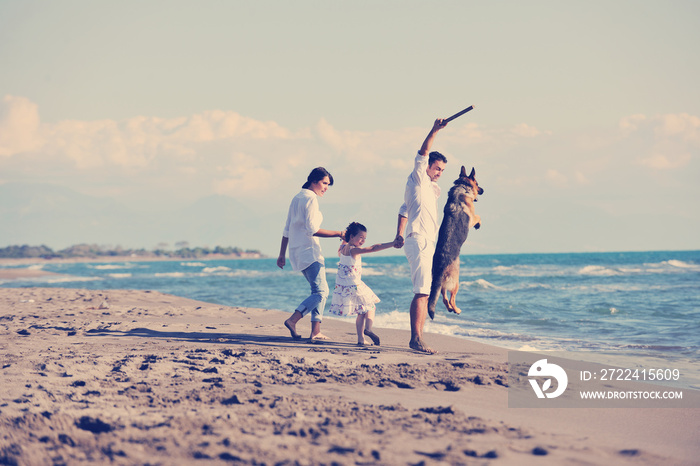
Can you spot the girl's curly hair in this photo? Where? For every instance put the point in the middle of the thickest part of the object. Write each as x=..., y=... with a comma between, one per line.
x=353, y=229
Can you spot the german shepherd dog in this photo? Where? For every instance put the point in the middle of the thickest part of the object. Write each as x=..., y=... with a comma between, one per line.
x=459, y=217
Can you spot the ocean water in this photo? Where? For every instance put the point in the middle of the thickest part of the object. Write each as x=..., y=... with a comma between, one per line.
x=631, y=304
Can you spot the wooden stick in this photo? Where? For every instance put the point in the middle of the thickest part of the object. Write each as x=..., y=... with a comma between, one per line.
x=471, y=107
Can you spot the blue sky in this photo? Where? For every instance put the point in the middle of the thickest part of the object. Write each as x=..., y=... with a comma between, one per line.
x=586, y=132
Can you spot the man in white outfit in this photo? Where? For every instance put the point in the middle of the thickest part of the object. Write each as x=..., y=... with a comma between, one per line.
x=418, y=216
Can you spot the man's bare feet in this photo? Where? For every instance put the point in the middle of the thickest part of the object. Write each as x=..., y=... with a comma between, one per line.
x=291, y=326
x=319, y=337
x=418, y=345
x=373, y=336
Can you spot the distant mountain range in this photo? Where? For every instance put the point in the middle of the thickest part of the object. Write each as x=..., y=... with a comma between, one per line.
x=43, y=214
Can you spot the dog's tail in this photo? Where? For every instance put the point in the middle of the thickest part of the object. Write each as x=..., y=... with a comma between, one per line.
x=432, y=301
x=435, y=289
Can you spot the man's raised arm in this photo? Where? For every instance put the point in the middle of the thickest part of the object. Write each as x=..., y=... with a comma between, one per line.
x=437, y=126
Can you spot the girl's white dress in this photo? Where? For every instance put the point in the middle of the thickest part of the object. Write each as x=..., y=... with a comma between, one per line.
x=351, y=296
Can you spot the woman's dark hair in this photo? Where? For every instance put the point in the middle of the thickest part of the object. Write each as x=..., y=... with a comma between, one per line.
x=353, y=229
x=316, y=175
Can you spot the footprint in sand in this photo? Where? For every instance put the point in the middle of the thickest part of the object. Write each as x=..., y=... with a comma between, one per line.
x=94, y=425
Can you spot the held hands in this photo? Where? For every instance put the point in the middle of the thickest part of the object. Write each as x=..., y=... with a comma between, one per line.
x=398, y=242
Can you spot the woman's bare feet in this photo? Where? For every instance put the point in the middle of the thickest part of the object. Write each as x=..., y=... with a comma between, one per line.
x=316, y=334
x=291, y=326
x=418, y=345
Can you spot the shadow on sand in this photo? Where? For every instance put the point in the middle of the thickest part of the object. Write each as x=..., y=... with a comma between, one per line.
x=238, y=338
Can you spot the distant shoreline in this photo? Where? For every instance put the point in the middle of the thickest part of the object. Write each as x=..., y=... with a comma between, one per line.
x=8, y=262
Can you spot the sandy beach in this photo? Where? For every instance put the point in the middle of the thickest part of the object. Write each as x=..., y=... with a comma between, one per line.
x=140, y=377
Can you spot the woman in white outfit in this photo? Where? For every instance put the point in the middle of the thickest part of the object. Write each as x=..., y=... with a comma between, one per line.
x=300, y=236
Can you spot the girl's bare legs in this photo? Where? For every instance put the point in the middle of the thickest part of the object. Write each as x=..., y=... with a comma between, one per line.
x=369, y=320
x=360, y=325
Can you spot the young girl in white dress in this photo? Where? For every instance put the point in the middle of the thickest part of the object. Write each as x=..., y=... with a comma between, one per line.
x=351, y=296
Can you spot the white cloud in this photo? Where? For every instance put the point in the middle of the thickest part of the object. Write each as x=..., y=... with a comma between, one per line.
x=581, y=179
x=356, y=150
x=216, y=125
x=19, y=126
x=142, y=143
x=631, y=123
x=242, y=175
x=471, y=132
x=556, y=178
x=226, y=153
x=666, y=161
x=333, y=138
x=684, y=126
x=526, y=131
x=666, y=142
x=134, y=143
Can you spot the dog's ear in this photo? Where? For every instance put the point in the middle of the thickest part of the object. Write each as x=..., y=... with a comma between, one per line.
x=472, y=174
x=463, y=173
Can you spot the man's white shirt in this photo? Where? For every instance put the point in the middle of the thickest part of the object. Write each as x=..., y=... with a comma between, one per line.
x=420, y=201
